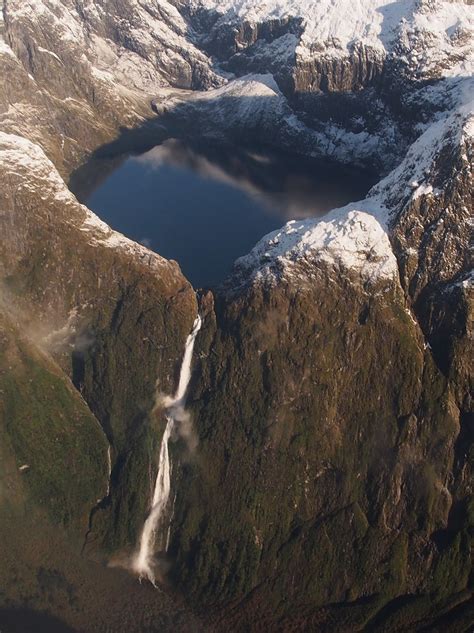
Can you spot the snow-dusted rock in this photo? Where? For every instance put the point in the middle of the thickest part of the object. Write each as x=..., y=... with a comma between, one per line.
x=120, y=53
x=349, y=238
x=428, y=32
x=309, y=372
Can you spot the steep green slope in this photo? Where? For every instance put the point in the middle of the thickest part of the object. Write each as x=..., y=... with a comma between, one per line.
x=324, y=470
x=53, y=470
x=51, y=440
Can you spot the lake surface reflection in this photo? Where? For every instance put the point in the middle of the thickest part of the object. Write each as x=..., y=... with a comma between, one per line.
x=206, y=205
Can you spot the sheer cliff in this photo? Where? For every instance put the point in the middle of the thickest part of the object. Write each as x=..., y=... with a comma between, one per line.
x=331, y=488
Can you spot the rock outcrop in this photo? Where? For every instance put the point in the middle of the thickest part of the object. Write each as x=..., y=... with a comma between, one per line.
x=332, y=399
x=349, y=456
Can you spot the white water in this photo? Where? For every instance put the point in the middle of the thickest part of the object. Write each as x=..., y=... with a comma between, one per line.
x=109, y=469
x=143, y=561
x=109, y=475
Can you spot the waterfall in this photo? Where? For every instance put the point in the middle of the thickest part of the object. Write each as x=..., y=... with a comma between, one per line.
x=109, y=470
x=143, y=560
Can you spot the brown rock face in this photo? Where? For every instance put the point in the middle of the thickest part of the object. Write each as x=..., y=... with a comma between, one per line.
x=362, y=68
x=330, y=480
x=332, y=486
x=431, y=237
x=115, y=317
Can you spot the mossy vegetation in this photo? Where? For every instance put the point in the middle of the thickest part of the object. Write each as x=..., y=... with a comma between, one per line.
x=453, y=567
x=58, y=445
x=324, y=446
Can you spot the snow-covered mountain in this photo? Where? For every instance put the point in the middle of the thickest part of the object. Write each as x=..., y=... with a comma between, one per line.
x=425, y=36
x=333, y=388
x=121, y=55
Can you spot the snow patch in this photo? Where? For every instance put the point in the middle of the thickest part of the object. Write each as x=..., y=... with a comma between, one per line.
x=466, y=284
x=48, y=52
x=27, y=160
x=36, y=173
x=429, y=31
x=352, y=237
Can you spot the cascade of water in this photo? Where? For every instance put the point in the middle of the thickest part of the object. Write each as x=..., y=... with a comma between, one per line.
x=143, y=561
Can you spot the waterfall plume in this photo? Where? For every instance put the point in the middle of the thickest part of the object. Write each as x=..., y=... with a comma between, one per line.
x=143, y=562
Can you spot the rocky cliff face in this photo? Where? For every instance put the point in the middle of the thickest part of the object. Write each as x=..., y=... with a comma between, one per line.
x=349, y=455
x=327, y=465
x=331, y=489
x=104, y=306
x=106, y=318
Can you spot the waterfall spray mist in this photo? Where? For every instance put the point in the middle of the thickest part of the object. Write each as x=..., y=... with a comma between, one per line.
x=143, y=563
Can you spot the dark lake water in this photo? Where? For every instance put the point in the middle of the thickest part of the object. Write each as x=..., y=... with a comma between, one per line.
x=205, y=206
